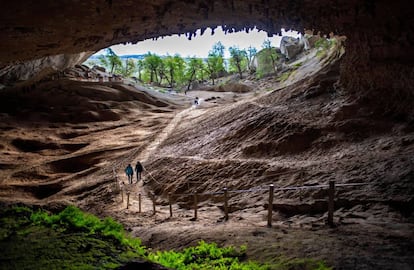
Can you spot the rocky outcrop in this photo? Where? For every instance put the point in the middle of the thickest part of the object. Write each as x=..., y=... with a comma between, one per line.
x=34, y=70
x=290, y=47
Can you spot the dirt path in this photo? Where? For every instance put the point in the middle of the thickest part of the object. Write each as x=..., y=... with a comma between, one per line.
x=137, y=191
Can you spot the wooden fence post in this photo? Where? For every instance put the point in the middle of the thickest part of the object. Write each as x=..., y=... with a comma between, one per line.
x=195, y=206
x=270, y=206
x=331, y=206
x=226, y=207
x=153, y=204
x=139, y=202
x=170, y=203
x=127, y=200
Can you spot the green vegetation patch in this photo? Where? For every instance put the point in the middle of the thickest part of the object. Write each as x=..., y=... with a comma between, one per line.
x=284, y=76
x=72, y=239
x=206, y=256
x=69, y=240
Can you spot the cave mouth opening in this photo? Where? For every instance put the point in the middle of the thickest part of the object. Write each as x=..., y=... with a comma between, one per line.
x=166, y=60
x=200, y=42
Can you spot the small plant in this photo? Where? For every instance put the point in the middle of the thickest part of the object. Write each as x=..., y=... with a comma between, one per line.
x=297, y=65
x=284, y=76
x=323, y=43
x=259, y=74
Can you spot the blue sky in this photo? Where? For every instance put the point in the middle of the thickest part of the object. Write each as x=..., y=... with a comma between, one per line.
x=199, y=46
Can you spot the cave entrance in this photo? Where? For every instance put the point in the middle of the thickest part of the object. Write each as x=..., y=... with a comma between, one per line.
x=189, y=61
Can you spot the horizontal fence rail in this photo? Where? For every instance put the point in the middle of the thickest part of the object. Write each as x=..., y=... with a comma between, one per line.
x=225, y=194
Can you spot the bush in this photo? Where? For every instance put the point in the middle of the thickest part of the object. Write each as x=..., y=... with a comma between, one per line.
x=73, y=219
x=205, y=256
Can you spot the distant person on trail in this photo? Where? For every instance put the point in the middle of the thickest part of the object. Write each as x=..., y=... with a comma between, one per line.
x=196, y=102
x=138, y=170
x=129, y=172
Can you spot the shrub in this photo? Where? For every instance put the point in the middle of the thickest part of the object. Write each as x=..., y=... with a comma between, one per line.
x=73, y=219
x=205, y=256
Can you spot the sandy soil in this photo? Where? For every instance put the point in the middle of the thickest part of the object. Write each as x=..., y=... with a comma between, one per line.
x=69, y=142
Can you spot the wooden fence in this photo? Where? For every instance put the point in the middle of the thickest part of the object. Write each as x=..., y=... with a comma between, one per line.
x=225, y=195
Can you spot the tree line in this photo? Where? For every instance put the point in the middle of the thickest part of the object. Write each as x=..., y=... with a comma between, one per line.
x=175, y=71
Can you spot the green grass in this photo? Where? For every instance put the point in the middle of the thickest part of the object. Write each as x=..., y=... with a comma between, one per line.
x=297, y=65
x=284, y=76
x=73, y=239
x=323, y=45
x=206, y=256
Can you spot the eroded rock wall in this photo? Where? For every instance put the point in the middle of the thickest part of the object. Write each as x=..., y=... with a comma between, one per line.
x=32, y=70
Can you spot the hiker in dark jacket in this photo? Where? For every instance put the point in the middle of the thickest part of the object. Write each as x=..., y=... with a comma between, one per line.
x=129, y=172
x=138, y=170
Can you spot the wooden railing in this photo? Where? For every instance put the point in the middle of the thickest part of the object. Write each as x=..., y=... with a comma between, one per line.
x=271, y=191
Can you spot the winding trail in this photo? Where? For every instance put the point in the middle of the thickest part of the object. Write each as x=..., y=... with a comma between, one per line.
x=138, y=189
x=151, y=148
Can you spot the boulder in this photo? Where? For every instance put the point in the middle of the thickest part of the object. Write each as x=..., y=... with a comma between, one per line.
x=290, y=46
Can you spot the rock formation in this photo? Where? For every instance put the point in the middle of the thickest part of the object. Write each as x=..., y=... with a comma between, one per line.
x=290, y=47
x=33, y=70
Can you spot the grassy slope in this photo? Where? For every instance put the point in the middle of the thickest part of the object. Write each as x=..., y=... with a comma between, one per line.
x=72, y=239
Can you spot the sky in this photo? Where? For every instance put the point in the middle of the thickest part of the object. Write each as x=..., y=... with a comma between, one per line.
x=199, y=46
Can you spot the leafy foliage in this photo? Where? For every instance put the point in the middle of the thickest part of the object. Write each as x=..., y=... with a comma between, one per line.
x=152, y=64
x=271, y=53
x=323, y=45
x=194, y=70
x=73, y=239
x=174, y=69
x=238, y=60
x=110, y=60
x=251, y=53
x=218, y=49
x=73, y=219
x=115, y=65
x=205, y=256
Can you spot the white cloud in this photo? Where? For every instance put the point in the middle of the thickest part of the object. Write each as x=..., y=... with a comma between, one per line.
x=199, y=45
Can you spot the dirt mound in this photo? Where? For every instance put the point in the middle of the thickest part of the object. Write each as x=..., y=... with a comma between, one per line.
x=63, y=138
x=68, y=101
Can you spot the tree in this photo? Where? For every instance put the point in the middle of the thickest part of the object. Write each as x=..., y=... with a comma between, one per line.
x=110, y=60
x=174, y=69
x=194, y=67
x=215, y=61
x=267, y=45
x=152, y=63
x=126, y=69
x=140, y=67
x=218, y=49
x=251, y=53
x=238, y=59
x=214, y=66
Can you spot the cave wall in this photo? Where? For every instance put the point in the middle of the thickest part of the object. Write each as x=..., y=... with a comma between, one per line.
x=30, y=71
x=379, y=33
